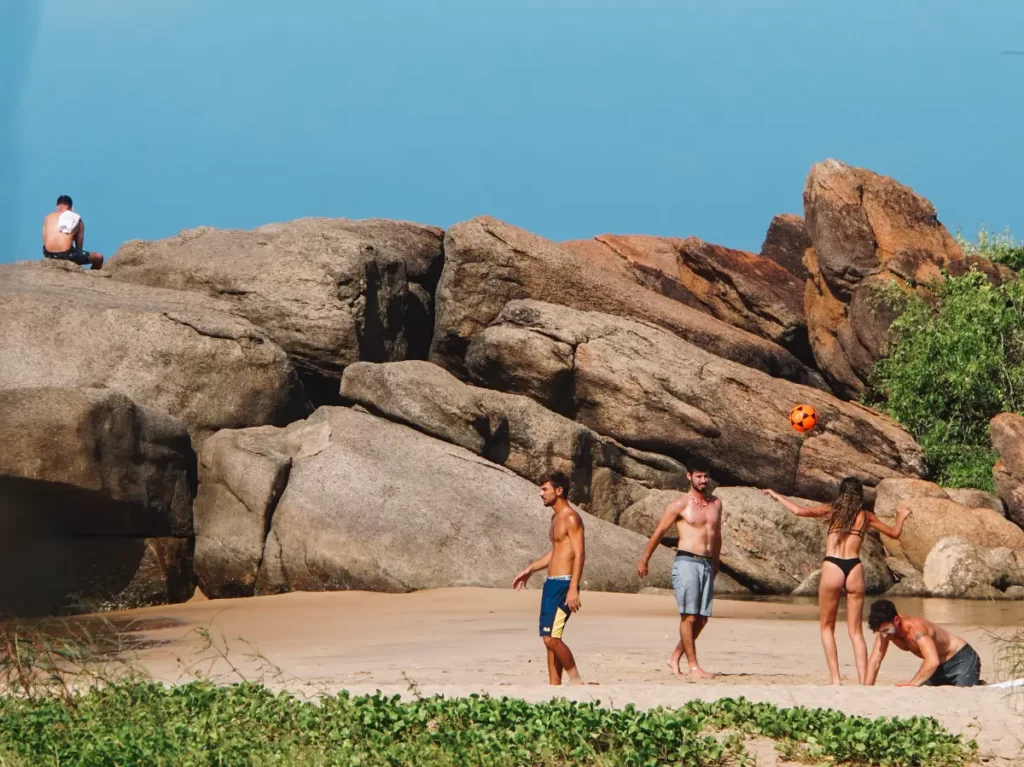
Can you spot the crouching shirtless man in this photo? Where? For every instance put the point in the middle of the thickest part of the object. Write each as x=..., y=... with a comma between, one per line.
x=564, y=563
x=698, y=519
x=946, y=659
x=64, y=236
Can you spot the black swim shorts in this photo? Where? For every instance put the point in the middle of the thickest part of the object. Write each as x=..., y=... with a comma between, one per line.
x=962, y=670
x=76, y=256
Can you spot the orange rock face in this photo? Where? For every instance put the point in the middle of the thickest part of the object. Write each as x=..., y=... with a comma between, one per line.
x=746, y=290
x=865, y=230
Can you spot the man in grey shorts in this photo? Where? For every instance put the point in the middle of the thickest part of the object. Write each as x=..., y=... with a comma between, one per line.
x=946, y=659
x=698, y=519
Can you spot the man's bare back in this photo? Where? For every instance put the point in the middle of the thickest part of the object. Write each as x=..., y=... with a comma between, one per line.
x=68, y=243
x=913, y=631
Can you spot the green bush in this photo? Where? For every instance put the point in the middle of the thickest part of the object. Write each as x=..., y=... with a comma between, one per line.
x=952, y=366
x=1001, y=248
x=246, y=724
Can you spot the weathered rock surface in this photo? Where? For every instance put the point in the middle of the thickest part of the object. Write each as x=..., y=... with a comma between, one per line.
x=765, y=547
x=786, y=242
x=178, y=352
x=976, y=499
x=743, y=289
x=867, y=231
x=513, y=431
x=1007, y=430
x=489, y=263
x=328, y=291
x=243, y=473
x=933, y=519
x=387, y=508
x=97, y=502
x=891, y=494
x=955, y=567
x=651, y=390
x=909, y=580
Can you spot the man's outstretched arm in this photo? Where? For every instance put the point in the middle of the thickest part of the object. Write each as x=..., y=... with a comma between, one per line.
x=524, y=575
x=875, y=661
x=930, y=662
x=672, y=512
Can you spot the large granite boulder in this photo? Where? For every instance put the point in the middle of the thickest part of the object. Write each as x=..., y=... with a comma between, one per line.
x=181, y=353
x=97, y=502
x=957, y=568
x=651, y=390
x=489, y=263
x=786, y=242
x=933, y=519
x=244, y=472
x=743, y=289
x=765, y=547
x=1007, y=430
x=895, y=492
x=513, y=431
x=328, y=291
x=868, y=232
x=384, y=507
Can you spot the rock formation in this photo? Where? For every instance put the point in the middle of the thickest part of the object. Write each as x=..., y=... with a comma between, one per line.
x=653, y=391
x=513, y=431
x=868, y=232
x=1007, y=430
x=743, y=289
x=386, y=508
x=786, y=242
x=177, y=352
x=489, y=263
x=97, y=502
x=955, y=567
x=329, y=292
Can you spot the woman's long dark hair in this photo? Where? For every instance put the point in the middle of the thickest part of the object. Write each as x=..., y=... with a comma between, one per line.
x=846, y=507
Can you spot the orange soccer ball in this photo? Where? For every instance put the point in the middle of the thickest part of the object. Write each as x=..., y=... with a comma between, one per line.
x=803, y=418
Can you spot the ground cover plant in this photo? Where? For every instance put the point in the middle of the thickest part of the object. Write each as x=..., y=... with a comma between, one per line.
x=201, y=723
x=955, y=362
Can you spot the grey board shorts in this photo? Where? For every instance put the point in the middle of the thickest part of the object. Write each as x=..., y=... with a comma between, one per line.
x=693, y=583
x=962, y=670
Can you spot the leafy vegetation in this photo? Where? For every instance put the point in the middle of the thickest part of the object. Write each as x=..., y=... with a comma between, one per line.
x=204, y=724
x=954, y=364
x=1000, y=248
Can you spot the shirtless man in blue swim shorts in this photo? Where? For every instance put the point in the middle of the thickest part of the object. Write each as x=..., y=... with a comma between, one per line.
x=564, y=563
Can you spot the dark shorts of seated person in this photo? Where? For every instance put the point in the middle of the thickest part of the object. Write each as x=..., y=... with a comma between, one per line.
x=74, y=255
x=554, y=609
x=962, y=670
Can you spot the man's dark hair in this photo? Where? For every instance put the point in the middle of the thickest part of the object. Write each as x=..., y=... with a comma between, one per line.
x=558, y=480
x=64, y=200
x=696, y=463
x=882, y=611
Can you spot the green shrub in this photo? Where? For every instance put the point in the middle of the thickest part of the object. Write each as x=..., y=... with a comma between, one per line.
x=952, y=366
x=1001, y=248
x=246, y=724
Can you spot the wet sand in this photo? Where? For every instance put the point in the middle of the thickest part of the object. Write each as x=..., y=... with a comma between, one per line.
x=462, y=641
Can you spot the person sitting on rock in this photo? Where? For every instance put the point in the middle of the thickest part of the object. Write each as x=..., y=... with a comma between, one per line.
x=946, y=658
x=64, y=236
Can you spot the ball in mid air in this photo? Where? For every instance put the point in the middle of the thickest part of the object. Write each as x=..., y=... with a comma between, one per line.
x=803, y=418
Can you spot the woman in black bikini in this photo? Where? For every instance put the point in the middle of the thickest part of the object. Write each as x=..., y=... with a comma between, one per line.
x=842, y=568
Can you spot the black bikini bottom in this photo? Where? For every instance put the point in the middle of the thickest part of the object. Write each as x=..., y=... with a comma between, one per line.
x=846, y=565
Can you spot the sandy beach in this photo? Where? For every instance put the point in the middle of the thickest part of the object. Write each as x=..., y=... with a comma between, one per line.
x=463, y=641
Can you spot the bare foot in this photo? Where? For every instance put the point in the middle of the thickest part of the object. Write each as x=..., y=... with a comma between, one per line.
x=836, y=682
x=574, y=677
x=698, y=673
x=673, y=666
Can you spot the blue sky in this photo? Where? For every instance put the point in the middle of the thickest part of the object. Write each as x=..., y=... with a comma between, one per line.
x=567, y=118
